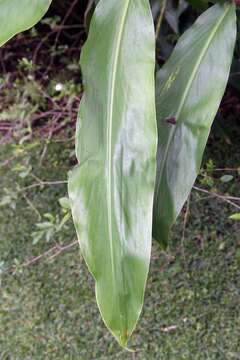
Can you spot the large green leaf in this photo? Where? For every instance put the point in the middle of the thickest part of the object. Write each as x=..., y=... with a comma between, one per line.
x=111, y=191
x=19, y=15
x=189, y=90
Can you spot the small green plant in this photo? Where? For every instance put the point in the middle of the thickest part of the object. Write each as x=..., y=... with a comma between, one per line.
x=49, y=227
x=139, y=151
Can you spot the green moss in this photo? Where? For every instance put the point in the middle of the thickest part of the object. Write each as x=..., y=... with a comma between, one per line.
x=48, y=310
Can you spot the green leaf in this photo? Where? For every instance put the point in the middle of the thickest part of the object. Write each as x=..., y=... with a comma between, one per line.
x=19, y=15
x=5, y=200
x=111, y=191
x=235, y=216
x=226, y=178
x=189, y=90
x=65, y=203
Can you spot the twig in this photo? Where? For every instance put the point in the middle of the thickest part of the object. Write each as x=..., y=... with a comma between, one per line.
x=32, y=206
x=49, y=138
x=7, y=162
x=184, y=228
x=37, y=258
x=160, y=18
x=225, y=198
x=68, y=13
x=58, y=249
x=226, y=169
x=55, y=30
x=60, y=27
x=42, y=183
x=63, y=248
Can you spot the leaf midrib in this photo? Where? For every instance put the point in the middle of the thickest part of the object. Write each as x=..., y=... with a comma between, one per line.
x=109, y=131
x=186, y=92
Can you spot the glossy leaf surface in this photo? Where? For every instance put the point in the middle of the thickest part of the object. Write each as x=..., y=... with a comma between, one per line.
x=19, y=15
x=189, y=90
x=111, y=191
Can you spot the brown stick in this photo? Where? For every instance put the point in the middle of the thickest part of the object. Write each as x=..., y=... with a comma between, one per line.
x=57, y=249
x=227, y=199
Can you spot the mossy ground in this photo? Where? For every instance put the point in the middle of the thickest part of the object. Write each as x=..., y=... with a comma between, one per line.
x=48, y=310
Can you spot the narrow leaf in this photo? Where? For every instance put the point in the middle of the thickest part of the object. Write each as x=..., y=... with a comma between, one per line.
x=189, y=90
x=111, y=191
x=19, y=15
x=226, y=178
x=235, y=216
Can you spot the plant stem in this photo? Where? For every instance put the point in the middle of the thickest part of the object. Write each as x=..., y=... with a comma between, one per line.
x=160, y=18
x=225, y=198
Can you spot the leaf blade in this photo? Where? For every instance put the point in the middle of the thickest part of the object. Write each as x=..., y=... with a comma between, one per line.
x=235, y=216
x=189, y=89
x=17, y=16
x=116, y=148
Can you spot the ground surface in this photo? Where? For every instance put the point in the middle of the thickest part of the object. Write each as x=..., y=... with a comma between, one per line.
x=48, y=310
